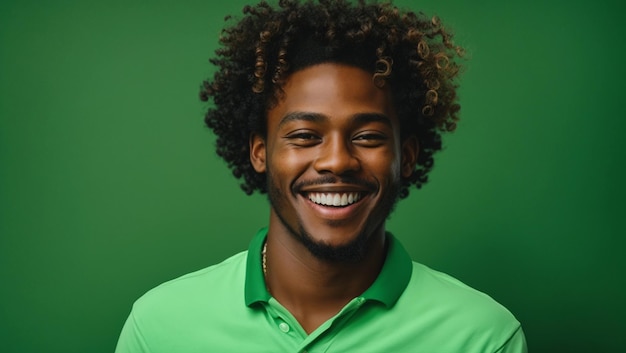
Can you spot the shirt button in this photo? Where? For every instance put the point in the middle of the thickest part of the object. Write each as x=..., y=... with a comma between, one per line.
x=283, y=327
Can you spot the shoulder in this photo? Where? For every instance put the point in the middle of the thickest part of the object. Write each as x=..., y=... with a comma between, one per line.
x=456, y=310
x=174, y=314
x=435, y=287
x=212, y=284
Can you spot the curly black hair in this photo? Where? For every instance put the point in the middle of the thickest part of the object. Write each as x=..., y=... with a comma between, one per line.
x=412, y=53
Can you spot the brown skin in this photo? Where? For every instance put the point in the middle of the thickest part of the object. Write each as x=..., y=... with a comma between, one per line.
x=333, y=132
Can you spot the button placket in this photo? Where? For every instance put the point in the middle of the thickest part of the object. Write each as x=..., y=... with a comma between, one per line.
x=284, y=327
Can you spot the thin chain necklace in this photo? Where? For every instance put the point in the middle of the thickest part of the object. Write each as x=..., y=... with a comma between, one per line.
x=264, y=259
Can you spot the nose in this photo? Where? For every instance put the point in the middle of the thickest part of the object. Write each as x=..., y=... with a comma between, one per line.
x=336, y=156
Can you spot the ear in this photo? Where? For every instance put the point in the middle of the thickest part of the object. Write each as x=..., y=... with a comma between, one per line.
x=410, y=151
x=257, y=152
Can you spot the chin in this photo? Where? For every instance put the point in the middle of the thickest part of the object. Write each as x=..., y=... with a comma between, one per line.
x=349, y=252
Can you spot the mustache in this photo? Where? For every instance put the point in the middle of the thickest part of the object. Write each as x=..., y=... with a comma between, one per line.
x=330, y=179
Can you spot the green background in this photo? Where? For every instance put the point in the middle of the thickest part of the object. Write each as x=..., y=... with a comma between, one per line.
x=109, y=184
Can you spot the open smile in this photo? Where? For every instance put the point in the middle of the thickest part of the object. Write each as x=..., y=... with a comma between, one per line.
x=335, y=199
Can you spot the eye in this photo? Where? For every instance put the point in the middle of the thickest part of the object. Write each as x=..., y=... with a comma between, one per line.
x=303, y=138
x=369, y=139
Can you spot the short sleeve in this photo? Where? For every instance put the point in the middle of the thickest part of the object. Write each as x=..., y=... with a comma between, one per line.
x=131, y=340
x=515, y=344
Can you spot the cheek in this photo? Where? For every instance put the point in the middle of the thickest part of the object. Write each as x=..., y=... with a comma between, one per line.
x=293, y=161
x=287, y=164
x=384, y=165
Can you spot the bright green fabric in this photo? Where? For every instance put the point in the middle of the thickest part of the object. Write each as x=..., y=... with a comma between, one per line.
x=409, y=308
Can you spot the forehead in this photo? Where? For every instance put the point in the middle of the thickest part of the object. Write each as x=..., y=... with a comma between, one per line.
x=332, y=90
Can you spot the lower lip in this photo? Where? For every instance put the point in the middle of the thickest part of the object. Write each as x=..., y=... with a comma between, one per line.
x=334, y=213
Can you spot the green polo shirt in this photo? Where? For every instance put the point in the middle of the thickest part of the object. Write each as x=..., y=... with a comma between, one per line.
x=409, y=308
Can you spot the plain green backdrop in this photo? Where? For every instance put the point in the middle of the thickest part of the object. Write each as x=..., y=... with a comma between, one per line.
x=109, y=184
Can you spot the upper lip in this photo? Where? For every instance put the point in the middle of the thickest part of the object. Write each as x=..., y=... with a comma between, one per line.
x=334, y=188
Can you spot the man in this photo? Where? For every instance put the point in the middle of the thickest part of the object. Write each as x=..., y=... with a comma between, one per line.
x=334, y=110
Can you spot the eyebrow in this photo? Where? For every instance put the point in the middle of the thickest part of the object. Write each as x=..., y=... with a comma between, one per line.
x=359, y=118
x=302, y=116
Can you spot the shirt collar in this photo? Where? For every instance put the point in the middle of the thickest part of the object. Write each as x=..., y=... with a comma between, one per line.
x=394, y=277
x=387, y=288
x=255, y=290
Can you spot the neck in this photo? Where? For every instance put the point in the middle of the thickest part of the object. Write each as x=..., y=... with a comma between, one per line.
x=314, y=289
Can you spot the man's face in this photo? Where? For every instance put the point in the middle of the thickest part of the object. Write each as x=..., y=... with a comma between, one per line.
x=333, y=158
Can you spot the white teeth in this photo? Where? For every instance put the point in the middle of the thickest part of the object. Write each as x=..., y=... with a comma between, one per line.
x=334, y=199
